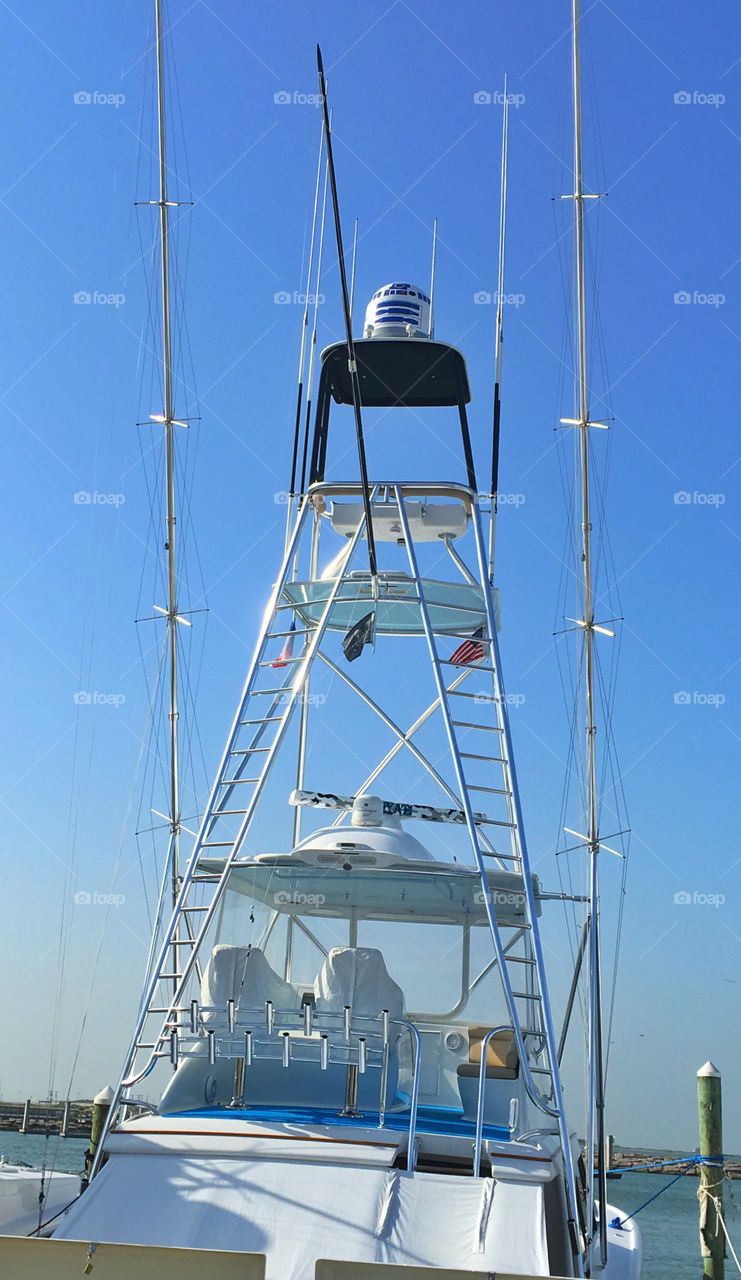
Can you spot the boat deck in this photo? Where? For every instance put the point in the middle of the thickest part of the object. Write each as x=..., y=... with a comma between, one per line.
x=441, y=1121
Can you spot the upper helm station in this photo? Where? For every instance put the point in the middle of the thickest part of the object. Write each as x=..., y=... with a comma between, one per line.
x=400, y=365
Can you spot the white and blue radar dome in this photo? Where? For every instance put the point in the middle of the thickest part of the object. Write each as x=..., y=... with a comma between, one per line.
x=398, y=310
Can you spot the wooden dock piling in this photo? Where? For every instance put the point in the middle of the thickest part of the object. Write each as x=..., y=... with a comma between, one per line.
x=710, y=1113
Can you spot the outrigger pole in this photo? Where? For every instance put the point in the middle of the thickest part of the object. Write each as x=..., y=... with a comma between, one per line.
x=498, y=340
x=304, y=334
x=351, y=361
x=354, y=264
x=583, y=423
x=169, y=423
x=314, y=330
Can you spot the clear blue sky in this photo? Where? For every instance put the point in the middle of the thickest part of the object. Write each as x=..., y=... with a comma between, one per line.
x=412, y=143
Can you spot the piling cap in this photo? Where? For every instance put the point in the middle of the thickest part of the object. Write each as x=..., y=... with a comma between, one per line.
x=104, y=1098
x=709, y=1069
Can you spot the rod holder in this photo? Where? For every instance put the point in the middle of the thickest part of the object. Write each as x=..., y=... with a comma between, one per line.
x=347, y=1018
x=362, y=1055
x=238, y=1093
x=174, y=1048
x=248, y=1048
x=212, y=1047
x=194, y=1016
x=286, y=1047
x=269, y=1017
x=324, y=1051
x=308, y=1019
x=230, y=1015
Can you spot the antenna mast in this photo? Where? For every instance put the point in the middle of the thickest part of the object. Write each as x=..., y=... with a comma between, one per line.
x=498, y=337
x=595, y=1102
x=432, y=278
x=169, y=423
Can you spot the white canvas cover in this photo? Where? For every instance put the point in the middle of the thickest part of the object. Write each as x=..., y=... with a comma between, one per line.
x=244, y=975
x=357, y=976
x=297, y=1213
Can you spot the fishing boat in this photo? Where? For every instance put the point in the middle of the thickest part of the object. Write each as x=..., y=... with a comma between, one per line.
x=346, y=1017
x=31, y=1199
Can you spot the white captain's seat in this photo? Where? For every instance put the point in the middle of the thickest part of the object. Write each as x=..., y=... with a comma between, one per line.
x=244, y=975
x=358, y=977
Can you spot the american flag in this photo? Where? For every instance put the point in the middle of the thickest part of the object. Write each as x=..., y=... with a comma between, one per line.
x=286, y=653
x=471, y=650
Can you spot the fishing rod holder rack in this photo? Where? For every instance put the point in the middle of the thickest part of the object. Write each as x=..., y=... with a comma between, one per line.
x=360, y=1043
x=323, y=1037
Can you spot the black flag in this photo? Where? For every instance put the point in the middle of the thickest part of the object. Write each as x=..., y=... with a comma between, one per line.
x=359, y=635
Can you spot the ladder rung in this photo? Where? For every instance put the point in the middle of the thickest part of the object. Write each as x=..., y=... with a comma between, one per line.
x=217, y=844
x=468, y=724
x=282, y=662
x=227, y=813
x=261, y=720
x=465, y=635
x=540, y=1071
x=533, y=1031
x=497, y=822
x=162, y=977
x=505, y=857
x=184, y=909
x=261, y=693
x=235, y=782
x=493, y=791
x=473, y=755
x=520, y=959
x=205, y=877
x=248, y=751
x=448, y=662
x=464, y=693
x=525, y=995
x=283, y=635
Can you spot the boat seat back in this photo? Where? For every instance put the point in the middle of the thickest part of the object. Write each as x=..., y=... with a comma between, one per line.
x=501, y=1055
x=358, y=977
x=244, y=975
